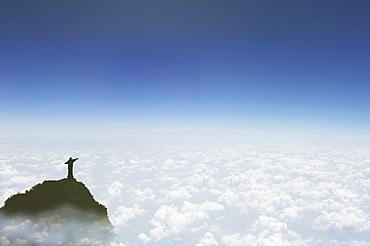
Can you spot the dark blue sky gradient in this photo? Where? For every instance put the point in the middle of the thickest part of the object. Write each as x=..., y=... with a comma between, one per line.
x=230, y=64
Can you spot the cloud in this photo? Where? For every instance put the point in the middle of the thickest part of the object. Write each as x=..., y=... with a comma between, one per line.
x=216, y=195
x=123, y=215
x=178, y=194
x=38, y=237
x=205, y=206
x=265, y=231
x=88, y=241
x=51, y=228
x=16, y=225
x=114, y=190
x=19, y=242
x=144, y=195
x=51, y=222
x=207, y=240
x=8, y=170
x=4, y=241
x=237, y=240
x=143, y=238
x=170, y=221
x=348, y=218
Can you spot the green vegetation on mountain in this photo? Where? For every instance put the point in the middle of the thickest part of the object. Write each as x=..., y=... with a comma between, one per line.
x=58, y=212
x=52, y=195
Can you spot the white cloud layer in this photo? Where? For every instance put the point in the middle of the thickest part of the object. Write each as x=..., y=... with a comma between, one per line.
x=210, y=195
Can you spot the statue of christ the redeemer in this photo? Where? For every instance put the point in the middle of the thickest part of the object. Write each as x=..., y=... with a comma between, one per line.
x=70, y=167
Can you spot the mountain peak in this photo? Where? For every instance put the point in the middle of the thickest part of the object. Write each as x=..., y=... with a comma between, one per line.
x=69, y=209
x=52, y=194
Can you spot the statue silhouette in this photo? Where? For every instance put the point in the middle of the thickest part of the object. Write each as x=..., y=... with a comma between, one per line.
x=70, y=167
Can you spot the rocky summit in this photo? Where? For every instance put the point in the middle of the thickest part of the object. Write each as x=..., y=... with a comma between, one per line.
x=55, y=212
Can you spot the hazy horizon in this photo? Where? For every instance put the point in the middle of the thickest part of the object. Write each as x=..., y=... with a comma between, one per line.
x=150, y=70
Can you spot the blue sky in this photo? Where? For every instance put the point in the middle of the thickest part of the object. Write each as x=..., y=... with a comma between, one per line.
x=119, y=68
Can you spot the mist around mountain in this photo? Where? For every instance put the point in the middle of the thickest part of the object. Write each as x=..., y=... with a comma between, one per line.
x=55, y=212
